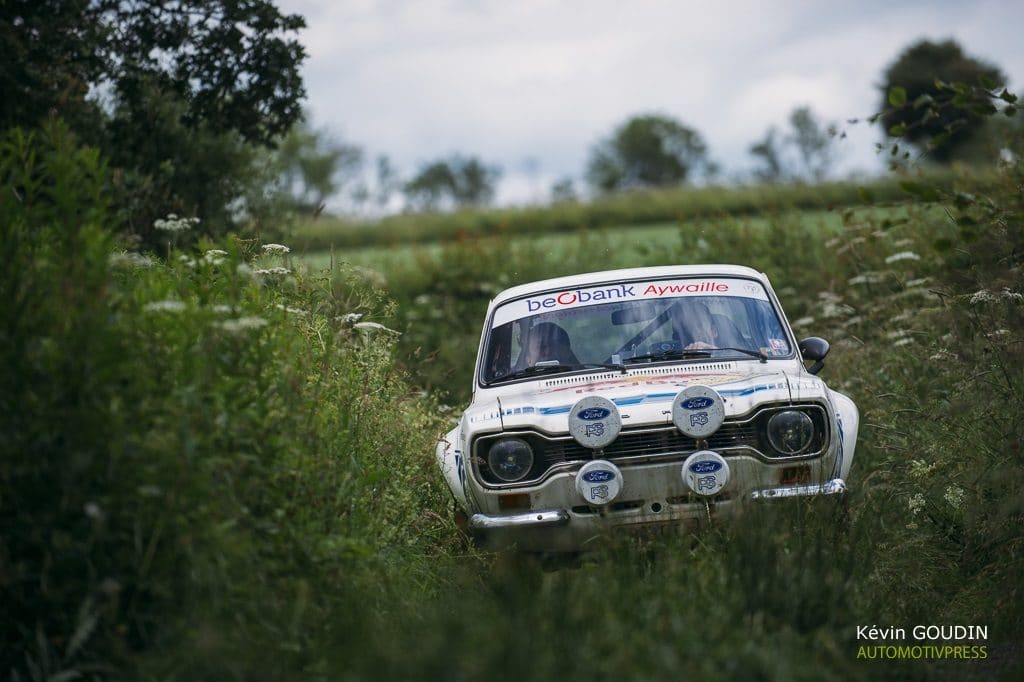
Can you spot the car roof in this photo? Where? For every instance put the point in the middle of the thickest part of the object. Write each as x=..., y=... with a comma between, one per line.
x=627, y=274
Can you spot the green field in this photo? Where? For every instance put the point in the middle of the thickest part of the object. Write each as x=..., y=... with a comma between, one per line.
x=219, y=465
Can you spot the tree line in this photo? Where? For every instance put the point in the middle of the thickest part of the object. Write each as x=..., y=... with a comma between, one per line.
x=657, y=151
x=196, y=105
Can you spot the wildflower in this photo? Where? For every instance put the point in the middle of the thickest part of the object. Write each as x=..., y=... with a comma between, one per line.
x=276, y=248
x=866, y=278
x=168, y=306
x=129, y=259
x=919, y=468
x=188, y=261
x=902, y=255
x=914, y=283
x=1012, y=295
x=954, y=496
x=982, y=296
x=373, y=326
x=293, y=311
x=349, y=318
x=273, y=271
x=370, y=275
x=241, y=324
x=93, y=511
x=243, y=269
x=916, y=504
x=214, y=256
x=222, y=309
x=172, y=223
x=902, y=342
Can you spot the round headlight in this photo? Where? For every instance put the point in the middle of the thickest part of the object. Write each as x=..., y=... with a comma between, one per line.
x=790, y=432
x=510, y=459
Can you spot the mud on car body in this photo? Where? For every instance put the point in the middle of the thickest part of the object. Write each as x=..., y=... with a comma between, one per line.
x=642, y=396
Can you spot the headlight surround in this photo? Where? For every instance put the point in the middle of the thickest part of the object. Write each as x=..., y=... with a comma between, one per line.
x=790, y=432
x=510, y=459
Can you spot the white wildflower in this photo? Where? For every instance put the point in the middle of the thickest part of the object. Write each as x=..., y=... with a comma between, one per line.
x=902, y=255
x=370, y=275
x=916, y=504
x=241, y=324
x=373, y=326
x=349, y=318
x=999, y=332
x=902, y=342
x=866, y=278
x=93, y=511
x=129, y=259
x=919, y=468
x=982, y=296
x=276, y=248
x=914, y=283
x=954, y=496
x=293, y=311
x=903, y=242
x=243, y=269
x=214, y=256
x=803, y=322
x=1013, y=295
x=897, y=334
x=168, y=306
x=221, y=309
x=172, y=223
x=273, y=271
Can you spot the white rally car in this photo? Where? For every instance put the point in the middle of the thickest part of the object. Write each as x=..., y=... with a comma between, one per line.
x=638, y=397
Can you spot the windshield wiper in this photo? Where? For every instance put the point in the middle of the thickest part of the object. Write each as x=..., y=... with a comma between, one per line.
x=760, y=355
x=672, y=355
x=695, y=353
x=549, y=366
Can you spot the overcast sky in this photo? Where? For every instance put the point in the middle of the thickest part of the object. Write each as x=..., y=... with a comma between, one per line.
x=531, y=85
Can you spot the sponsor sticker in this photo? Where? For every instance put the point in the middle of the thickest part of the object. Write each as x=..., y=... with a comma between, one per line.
x=632, y=291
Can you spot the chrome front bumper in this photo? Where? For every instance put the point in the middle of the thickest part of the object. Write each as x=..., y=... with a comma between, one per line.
x=546, y=518
x=533, y=519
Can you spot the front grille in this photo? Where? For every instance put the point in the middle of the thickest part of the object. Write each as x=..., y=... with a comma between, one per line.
x=665, y=441
x=652, y=444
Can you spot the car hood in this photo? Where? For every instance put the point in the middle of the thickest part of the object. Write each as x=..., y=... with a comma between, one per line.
x=644, y=397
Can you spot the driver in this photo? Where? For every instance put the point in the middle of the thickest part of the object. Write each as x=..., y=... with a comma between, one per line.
x=548, y=341
x=695, y=322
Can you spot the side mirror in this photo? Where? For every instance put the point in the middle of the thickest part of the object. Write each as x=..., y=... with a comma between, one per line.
x=814, y=348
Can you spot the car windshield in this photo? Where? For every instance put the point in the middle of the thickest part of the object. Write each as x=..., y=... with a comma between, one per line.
x=632, y=323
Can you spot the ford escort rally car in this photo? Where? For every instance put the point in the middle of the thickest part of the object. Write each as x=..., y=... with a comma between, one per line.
x=641, y=396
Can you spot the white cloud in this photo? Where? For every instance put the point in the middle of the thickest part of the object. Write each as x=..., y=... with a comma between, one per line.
x=543, y=78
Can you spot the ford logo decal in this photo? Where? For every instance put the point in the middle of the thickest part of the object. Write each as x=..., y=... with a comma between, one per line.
x=593, y=414
x=599, y=476
x=698, y=403
x=705, y=467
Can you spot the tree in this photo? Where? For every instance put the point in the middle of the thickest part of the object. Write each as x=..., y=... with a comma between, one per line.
x=235, y=63
x=563, y=190
x=813, y=143
x=315, y=166
x=768, y=151
x=456, y=181
x=805, y=152
x=646, y=151
x=916, y=72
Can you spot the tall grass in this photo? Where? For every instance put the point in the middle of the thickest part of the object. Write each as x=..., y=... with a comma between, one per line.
x=212, y=473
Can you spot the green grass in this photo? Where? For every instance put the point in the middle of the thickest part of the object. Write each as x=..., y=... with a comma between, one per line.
x=187, y=496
